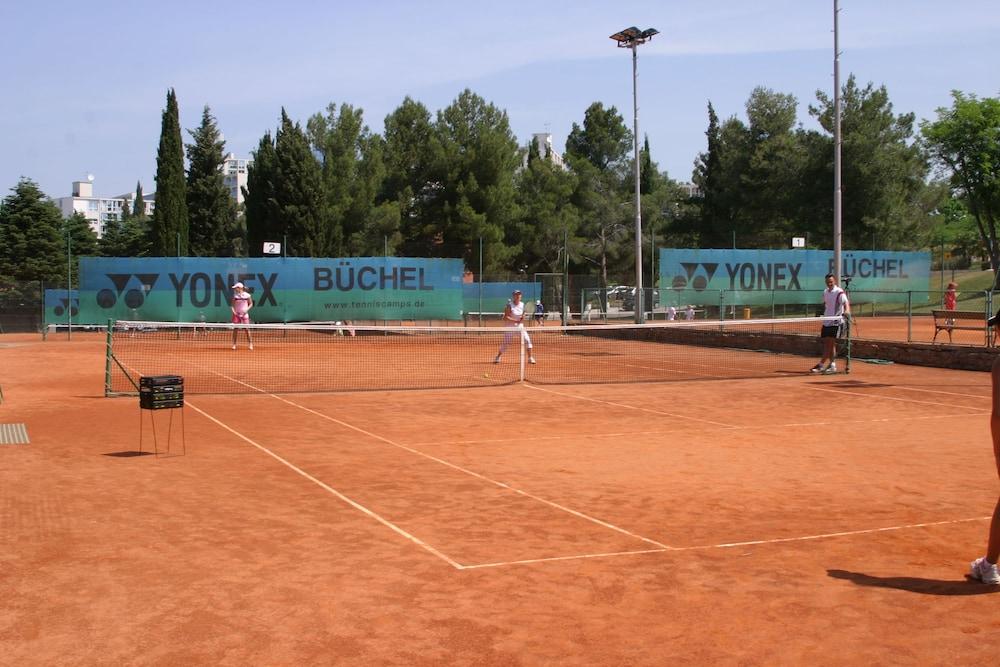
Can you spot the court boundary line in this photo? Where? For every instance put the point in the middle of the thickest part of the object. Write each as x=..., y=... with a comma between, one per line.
x=356, y=505
x=661, y=547
x=472, y=473
x=730, y=545
x=890, y=398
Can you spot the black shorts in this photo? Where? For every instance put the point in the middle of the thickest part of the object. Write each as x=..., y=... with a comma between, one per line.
x=830, y=332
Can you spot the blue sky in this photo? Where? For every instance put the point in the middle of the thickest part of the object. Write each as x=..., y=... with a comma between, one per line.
x=85, y=83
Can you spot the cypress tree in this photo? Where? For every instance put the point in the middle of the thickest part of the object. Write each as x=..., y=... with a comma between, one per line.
x=170, y=217
x=260, y=198
x=211, y=211
x=299, y=192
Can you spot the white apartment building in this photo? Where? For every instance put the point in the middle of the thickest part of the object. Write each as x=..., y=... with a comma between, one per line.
x=234, y=175
x=99, y=210
x=543, y=141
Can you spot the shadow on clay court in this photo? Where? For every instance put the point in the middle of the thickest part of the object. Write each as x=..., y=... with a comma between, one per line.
x=968, y=586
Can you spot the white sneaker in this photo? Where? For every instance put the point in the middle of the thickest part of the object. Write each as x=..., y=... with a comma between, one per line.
x=251, y=346
x=818, y=368
x=830, y=370
x=984, y=571
x=531, y=360
x=234, y=346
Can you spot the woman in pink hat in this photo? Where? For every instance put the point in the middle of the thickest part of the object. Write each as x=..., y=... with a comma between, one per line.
x=241, y=305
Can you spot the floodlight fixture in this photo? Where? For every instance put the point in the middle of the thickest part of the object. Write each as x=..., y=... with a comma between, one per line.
x=630, y=37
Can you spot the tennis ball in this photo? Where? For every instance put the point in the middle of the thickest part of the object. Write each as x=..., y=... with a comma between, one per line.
x=486, y=375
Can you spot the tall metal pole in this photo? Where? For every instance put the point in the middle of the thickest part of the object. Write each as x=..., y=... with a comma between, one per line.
x=639, y=314
x=69, y=282
x=837, y=187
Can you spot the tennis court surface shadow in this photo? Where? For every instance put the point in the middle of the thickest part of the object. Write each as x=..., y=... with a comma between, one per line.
x=789, y=520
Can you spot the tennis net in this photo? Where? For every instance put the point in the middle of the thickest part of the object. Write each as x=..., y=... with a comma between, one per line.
x=338, y=357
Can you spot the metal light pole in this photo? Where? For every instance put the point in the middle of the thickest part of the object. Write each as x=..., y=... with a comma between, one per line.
x=631, y=38
x=837, y=186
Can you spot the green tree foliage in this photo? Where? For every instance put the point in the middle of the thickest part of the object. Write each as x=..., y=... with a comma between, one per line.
x=211, y=209
x=83, y=241
x=139, y=203
x=409, y=148
x=170, y=217
x=262, y=212
x=597, y=153
x=883, y=168
x=353, y=172
x=32, y=236
x=604, y=140
x=547, y=214
x=299, y=193
x=130, y=235
x=472, y=192
x=965, y=142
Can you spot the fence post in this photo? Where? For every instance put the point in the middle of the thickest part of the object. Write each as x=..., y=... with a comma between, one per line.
x=909, y=316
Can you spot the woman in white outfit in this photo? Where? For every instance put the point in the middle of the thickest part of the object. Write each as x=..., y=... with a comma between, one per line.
x=513, y=319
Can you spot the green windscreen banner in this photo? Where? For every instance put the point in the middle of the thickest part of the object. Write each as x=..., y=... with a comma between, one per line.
x=289, y=289
x=786, y=276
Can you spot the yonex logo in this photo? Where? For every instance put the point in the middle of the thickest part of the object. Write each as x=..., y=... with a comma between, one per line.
x=697, y=275
x=201, y=289
x=134, y=291
x=74, y=307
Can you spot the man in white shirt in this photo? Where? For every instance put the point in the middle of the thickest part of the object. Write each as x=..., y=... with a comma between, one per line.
x=837, y=308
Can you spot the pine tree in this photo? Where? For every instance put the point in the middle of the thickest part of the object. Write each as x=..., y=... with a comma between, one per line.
x=170, y=217
x=83, y=241
x=32, y=236
x=211, y=211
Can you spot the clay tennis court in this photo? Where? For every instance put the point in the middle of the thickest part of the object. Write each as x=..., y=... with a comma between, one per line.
x=794, y=519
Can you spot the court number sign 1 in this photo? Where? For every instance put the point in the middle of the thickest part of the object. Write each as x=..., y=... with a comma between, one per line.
x=272, y=248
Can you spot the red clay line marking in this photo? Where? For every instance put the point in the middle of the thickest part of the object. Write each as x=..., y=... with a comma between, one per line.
x=333, y=491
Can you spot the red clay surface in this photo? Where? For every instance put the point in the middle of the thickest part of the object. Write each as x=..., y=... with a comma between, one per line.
x=796, y=520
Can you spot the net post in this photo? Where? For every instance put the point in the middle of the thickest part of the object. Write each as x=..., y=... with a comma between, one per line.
x=520, y=331
x=107, y=359
x=850, y=334
x=909, y=316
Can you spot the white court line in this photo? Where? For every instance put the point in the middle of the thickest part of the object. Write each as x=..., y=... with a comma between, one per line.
x=947, y=393
x=477, y=475
x=845, y=533
x=725, y=545
x=690, y=429
x=338, y=494
x=889, y=398
x=662, y=547
x=630, y=407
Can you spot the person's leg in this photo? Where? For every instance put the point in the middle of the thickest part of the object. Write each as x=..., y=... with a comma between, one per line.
x=507, y=335
x=527, y=343
x=985, y=569
x=249, y=337
x=993, y=544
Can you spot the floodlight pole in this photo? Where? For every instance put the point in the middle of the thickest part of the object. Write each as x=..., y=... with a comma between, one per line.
x=631, y=38
x=837, y=140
